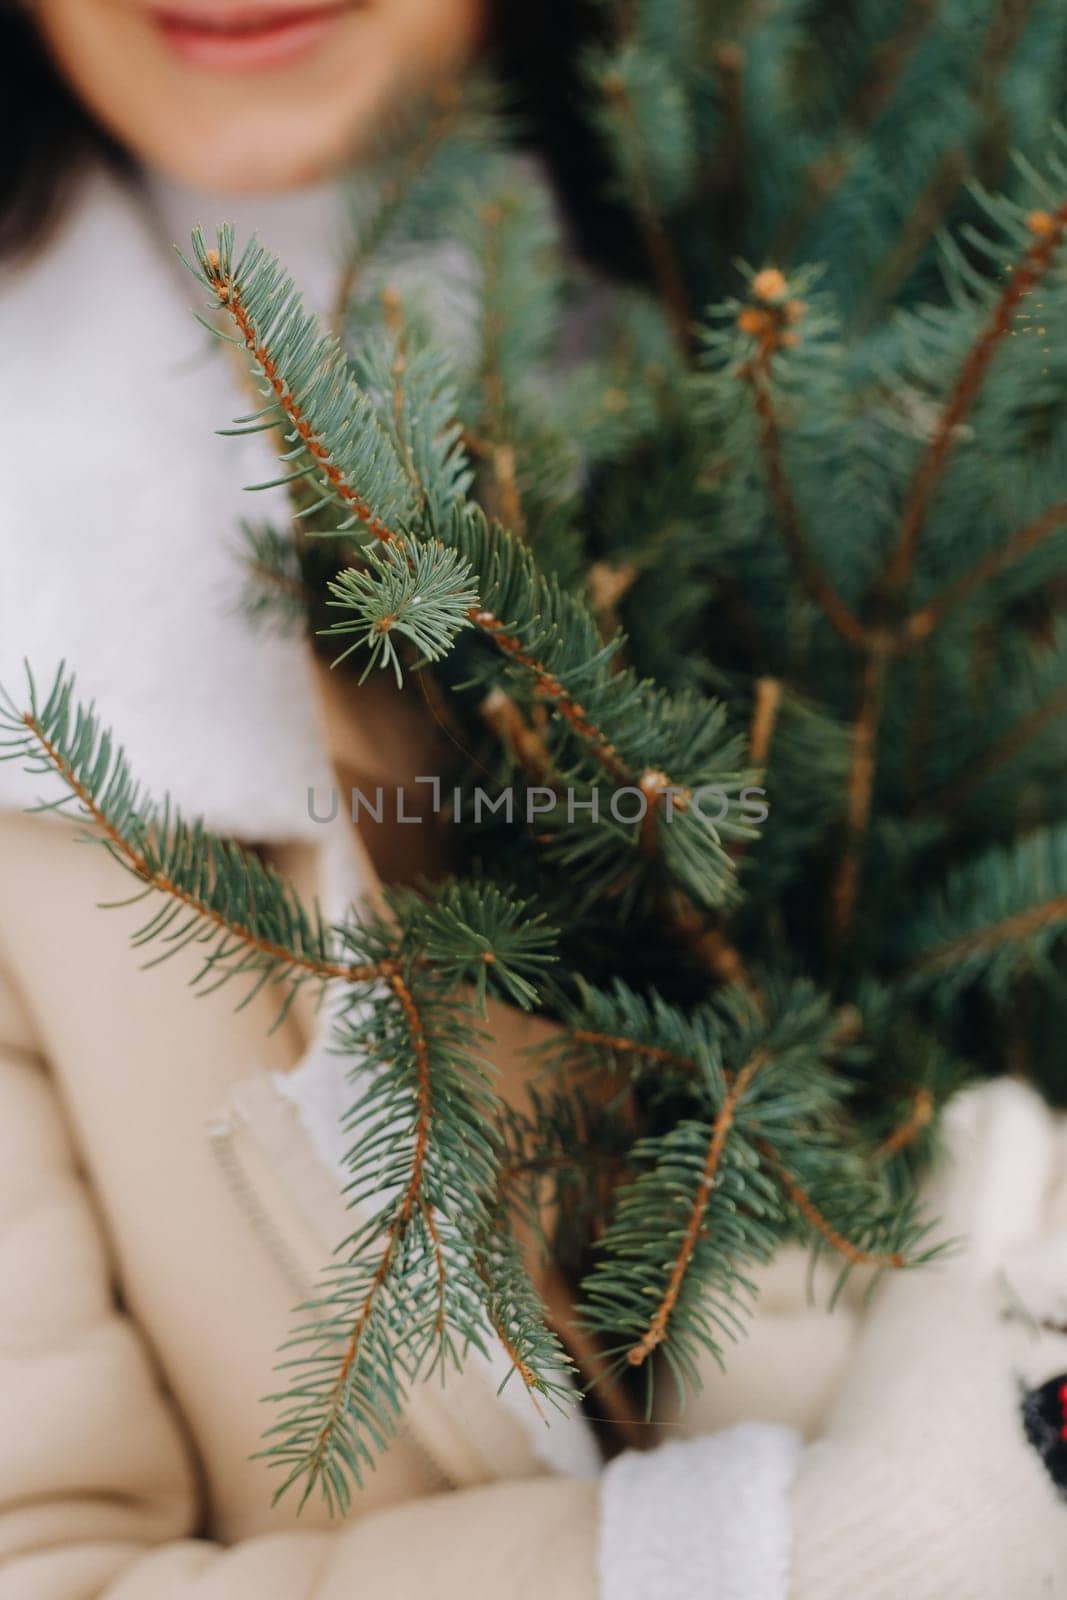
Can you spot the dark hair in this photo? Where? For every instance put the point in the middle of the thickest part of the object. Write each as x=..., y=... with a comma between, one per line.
x=539, y=51
x=48, y=137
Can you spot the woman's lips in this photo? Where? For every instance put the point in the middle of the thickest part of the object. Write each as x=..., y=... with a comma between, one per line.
x=246, y=38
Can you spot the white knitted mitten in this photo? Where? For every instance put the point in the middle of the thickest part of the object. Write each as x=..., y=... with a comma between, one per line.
x=942, y=1469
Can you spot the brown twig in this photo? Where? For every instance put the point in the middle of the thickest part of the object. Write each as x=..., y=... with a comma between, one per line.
x=916, y=1122
x=606, y=586
x=860, y=792
x=546, y=683
x=921, y=624
x=619, y=1044
x=765, y=710
x=720, y=1130
x=1049, y=232
x=822, y=1225
x=397, y=1227
x=766, y=705
x=1019, y=926
x=526, y=743
x=498, y=448
x=1003, y=750
x=723, y=959
x=709, y=944
x=921, y=722
x=229, y=298
x=812, y=579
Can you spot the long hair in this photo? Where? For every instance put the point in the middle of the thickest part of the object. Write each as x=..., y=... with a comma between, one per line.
x=48, y=137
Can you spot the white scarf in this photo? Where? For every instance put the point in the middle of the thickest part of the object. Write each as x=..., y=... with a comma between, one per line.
x=119, y=545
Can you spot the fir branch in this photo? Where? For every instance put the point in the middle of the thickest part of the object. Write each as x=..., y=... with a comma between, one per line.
x=992, y=918
x=659, y=247
x=344, y=443
x=422, y=592
x=1005, y=29
x=426, y=1152
x=257, y=926
x=613, y=1044
x=517, y=1317
x=648, y=1235
x=275, y=591
x=423, y=1164
x=818, y=588
x=923, y=622
x=332, y=424
x=547, y=684
x=427, y=1272
x=670, y=1272
x=1012, y=742
x=853, y=1254
x=825, y=174
x=312, y=1464
x=1038, y=919
x=474, y=933
x=1049, y=229
x=322, y=390
x=656, y=1331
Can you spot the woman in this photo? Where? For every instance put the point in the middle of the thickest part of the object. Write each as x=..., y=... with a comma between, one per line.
x=165, y=1181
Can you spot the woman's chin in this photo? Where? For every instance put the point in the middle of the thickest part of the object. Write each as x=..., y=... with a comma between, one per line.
x=235, y=161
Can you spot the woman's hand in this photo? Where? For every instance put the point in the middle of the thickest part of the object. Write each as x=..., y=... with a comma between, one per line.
x=937, y=1473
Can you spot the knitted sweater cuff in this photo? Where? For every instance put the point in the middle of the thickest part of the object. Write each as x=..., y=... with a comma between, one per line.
x=701, y=1519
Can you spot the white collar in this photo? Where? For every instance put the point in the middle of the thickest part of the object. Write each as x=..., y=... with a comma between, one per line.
x=119, y=517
